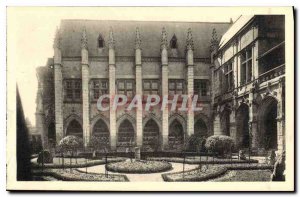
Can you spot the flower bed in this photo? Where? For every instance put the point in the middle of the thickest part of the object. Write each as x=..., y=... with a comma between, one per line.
x=244, y=175
x=212, y=171
x=203, y=161
x=75, y=175
x=139, y=167
x=81, y=164
x=195, y=174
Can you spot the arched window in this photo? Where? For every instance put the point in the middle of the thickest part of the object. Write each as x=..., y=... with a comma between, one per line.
x=173, y=42
x=150, y=136
x=126, y=135
x=200, y=128
x=101, y=134
x=100, y=42
x=74, y=128
x=176, y=135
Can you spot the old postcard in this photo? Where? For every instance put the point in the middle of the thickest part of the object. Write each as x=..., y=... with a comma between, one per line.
x=150, y=98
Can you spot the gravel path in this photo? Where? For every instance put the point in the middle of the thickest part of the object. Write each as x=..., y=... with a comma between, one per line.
x=153, y=177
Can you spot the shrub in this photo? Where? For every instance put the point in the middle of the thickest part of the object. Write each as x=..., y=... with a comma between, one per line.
x=44, y=157
x=219, y=144
x=196, y=143
x=70, y=143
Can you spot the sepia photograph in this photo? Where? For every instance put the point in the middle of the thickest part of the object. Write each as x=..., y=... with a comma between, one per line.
x=160, y=98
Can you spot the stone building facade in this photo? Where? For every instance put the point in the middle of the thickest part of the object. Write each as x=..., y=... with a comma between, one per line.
x=93, y=58
x=248, y=74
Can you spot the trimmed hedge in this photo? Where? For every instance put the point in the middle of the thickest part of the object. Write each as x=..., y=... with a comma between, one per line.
x=139, y=167
x=76, y=175
x=220, y=144
x=194, y=161
x=79, y=165
x=219, y=171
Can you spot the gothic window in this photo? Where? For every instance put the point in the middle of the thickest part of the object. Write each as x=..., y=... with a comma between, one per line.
x=101, y=133
x=74, y=128
x=176, y=86
x=126, y=135
x=126, y=87
x=150, y=86
x=99, y=87
x=72, y=90
x=100, y=42
x=229, y=84
x=176, y=135
x=246, y=66
x=201, y=87
x=173, y=42
x=151, y=136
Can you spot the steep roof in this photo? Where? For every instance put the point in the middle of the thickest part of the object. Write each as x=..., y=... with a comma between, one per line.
x=124, y=36
x=234, y=29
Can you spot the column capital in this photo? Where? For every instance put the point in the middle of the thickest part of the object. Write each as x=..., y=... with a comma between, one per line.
x=57, y=65
x=83, y=64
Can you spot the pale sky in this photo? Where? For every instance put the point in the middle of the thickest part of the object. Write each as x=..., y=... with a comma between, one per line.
x=31, y=33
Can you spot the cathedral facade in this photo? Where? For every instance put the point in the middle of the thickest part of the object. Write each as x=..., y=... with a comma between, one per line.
x=228, y=66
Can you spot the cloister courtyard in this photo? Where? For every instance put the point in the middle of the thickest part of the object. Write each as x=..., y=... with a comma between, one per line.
x=154, y=169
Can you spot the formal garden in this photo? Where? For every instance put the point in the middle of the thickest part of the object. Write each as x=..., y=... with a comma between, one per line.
x=215, y=160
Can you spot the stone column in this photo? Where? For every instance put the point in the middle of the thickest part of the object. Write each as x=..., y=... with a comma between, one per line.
x=253, y=131
x=40, y=118
x=112, y=91
x=85, y=89
x=139, y=92
x=217, y=123
x=236, y=64
x=190, y=82
x=58, y=88
x=280, y=117
x=165, y=87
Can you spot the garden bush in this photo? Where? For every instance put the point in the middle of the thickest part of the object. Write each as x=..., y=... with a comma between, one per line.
x=139, y=167
x=44, y=157
x=196, y=144
x=219, y=144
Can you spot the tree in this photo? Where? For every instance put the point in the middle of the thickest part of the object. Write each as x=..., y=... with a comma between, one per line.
x=71, y=143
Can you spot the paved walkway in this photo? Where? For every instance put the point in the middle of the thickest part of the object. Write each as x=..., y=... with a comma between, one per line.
x=153, y=177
